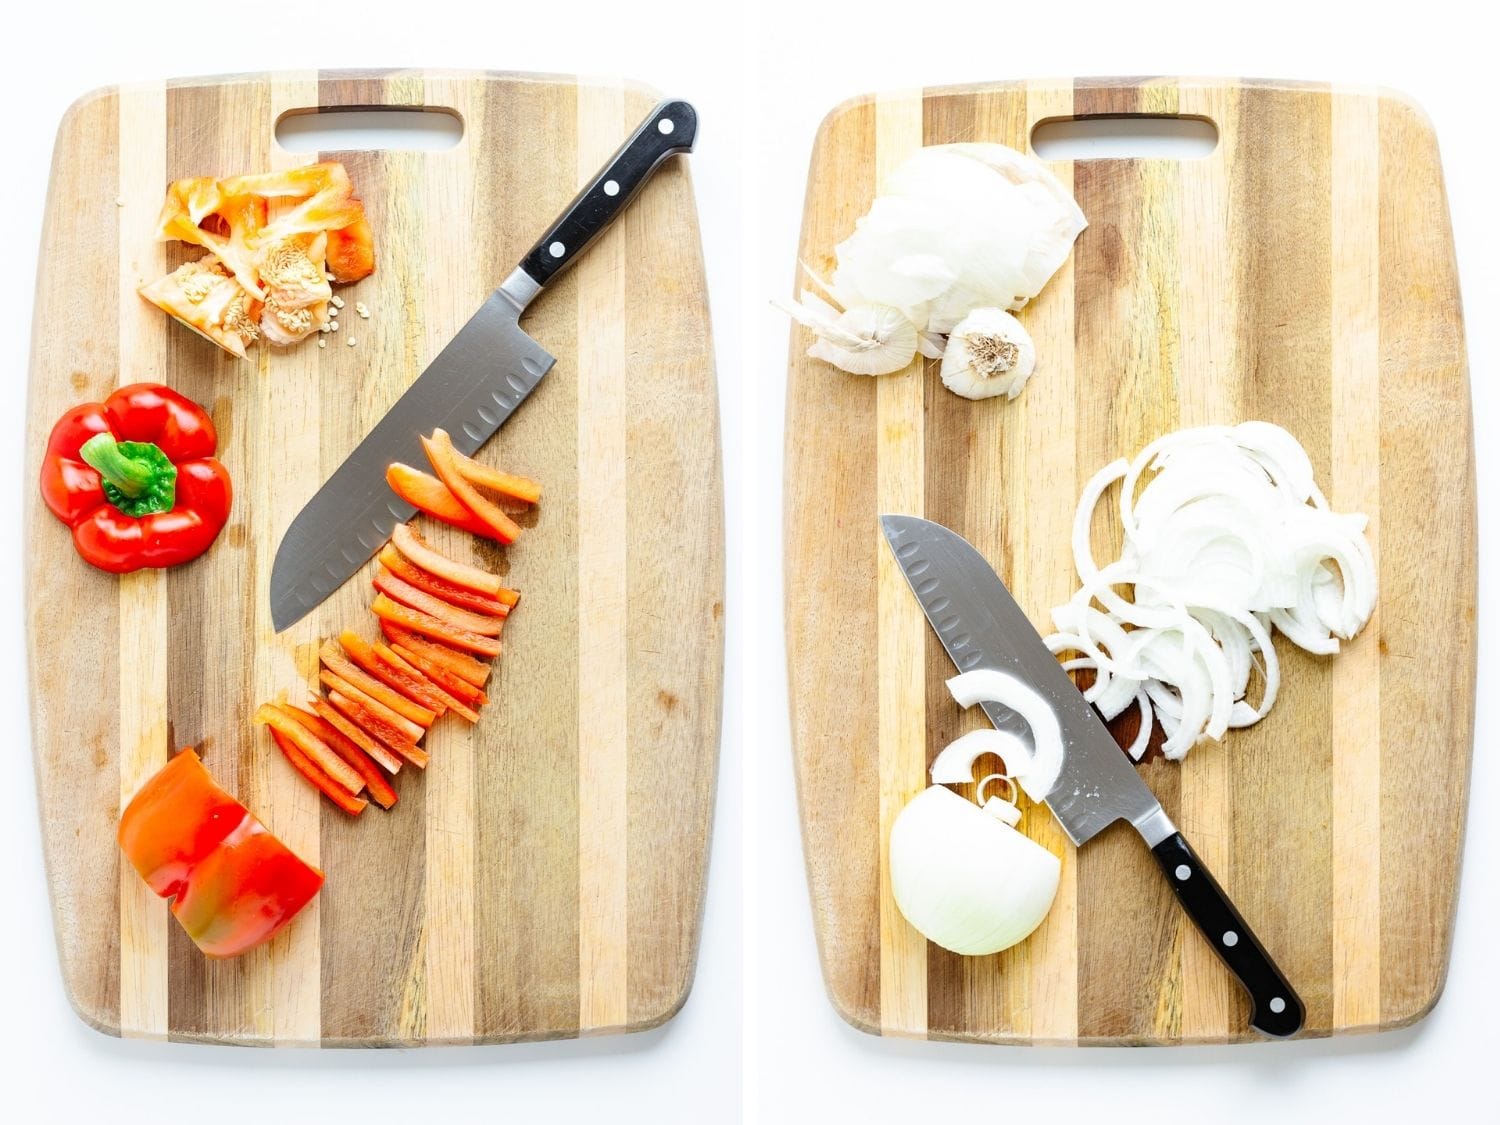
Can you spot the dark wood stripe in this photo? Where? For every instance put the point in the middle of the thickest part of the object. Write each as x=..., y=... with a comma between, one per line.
x=831, y=623
x=526, y=752
x=1281, y=222
x=1427, y=529
x=1125, y=325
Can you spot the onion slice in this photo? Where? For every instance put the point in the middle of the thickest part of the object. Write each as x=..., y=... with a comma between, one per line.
x=1037, y=771
x=1228, y=536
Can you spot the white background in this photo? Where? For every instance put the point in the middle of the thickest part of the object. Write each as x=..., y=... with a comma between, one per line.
x=762, y=79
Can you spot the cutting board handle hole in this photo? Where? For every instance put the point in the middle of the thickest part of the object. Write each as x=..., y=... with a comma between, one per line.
x=343, y=129
x=1134, y=136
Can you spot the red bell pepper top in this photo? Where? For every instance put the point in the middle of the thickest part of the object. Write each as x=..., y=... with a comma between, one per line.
x=136, y=480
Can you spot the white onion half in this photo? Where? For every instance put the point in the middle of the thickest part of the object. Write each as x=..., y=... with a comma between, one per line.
x=964, y=878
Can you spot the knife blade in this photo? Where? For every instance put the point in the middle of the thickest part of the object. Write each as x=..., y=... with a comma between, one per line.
x=980, y=625
x=473, y=386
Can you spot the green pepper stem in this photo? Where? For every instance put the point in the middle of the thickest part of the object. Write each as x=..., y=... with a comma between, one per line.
x=131, y=476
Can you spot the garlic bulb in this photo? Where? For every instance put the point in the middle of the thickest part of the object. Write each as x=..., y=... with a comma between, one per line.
x=864, y=339
x=989, y=353
x=964, y=878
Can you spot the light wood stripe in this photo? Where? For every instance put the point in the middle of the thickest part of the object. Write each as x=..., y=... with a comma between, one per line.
x=1207, y=392
x=287, y=457
x=143, y=595
x=902, y=630
x=1048, y=423
x=602, y=580
x=1355, y=683
x=449, y=780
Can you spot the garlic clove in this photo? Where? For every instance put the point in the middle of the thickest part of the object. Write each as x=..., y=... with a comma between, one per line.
x=989, y=353
x=863, y=340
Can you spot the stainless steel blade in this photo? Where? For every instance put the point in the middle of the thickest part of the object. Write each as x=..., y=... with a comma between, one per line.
x=981, y=626
x=470, y=389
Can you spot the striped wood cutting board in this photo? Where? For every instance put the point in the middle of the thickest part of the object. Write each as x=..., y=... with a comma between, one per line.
x=545, y=877
x=1303, y=274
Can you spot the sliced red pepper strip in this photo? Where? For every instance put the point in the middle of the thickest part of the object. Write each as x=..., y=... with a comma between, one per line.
x=392, y=737
x=389, y=760
x=412, y=731
x=406, y=594
x=345, y=800
x=428, y=494
x=334, y=660
x=517, y=488
x=410, y=544
x=444, y=678
x=430, y=626
x=140, y=435
x=397, y=563
x=461, y=664
x=443, y=456
x=177, y=818
x=378, y=785
x=310, y=744
x=409, y=682
x=399, y=666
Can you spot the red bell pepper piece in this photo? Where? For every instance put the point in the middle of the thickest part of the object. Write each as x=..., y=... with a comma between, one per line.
x=320, y=781
x=405, y=539
x=136, y=480
x=397, y=563
x=461, y=664
x=467, y=620
x=376, y=782
x=444, y=460
x=428, y=494
x=233, y=883
x=410, y=678
x=362, y=738
x=429, y=626
x=443, y=677
x=336, y=662
x=391, y=737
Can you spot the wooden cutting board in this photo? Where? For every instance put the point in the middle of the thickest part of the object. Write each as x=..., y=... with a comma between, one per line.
x=1304, y=274
x=544, y=878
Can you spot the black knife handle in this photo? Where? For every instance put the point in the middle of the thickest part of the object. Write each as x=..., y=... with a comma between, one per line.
x=1278, y=1009
x=670, y=128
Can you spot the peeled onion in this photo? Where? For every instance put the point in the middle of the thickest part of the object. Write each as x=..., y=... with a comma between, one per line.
x=965, y=879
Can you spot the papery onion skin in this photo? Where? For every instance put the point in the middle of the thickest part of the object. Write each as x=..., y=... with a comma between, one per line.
x=966, y=880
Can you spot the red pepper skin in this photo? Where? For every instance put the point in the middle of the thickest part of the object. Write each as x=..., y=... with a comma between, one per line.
x=176, y=819
x=105, y=536
x=235, y=884
x=244, y=891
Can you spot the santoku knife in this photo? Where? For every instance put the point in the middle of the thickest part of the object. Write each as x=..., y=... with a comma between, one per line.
x=470, y=389
x=981, y=626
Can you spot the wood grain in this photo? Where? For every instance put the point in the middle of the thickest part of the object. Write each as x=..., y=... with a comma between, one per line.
x=460, y=915
x=1303, y=273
